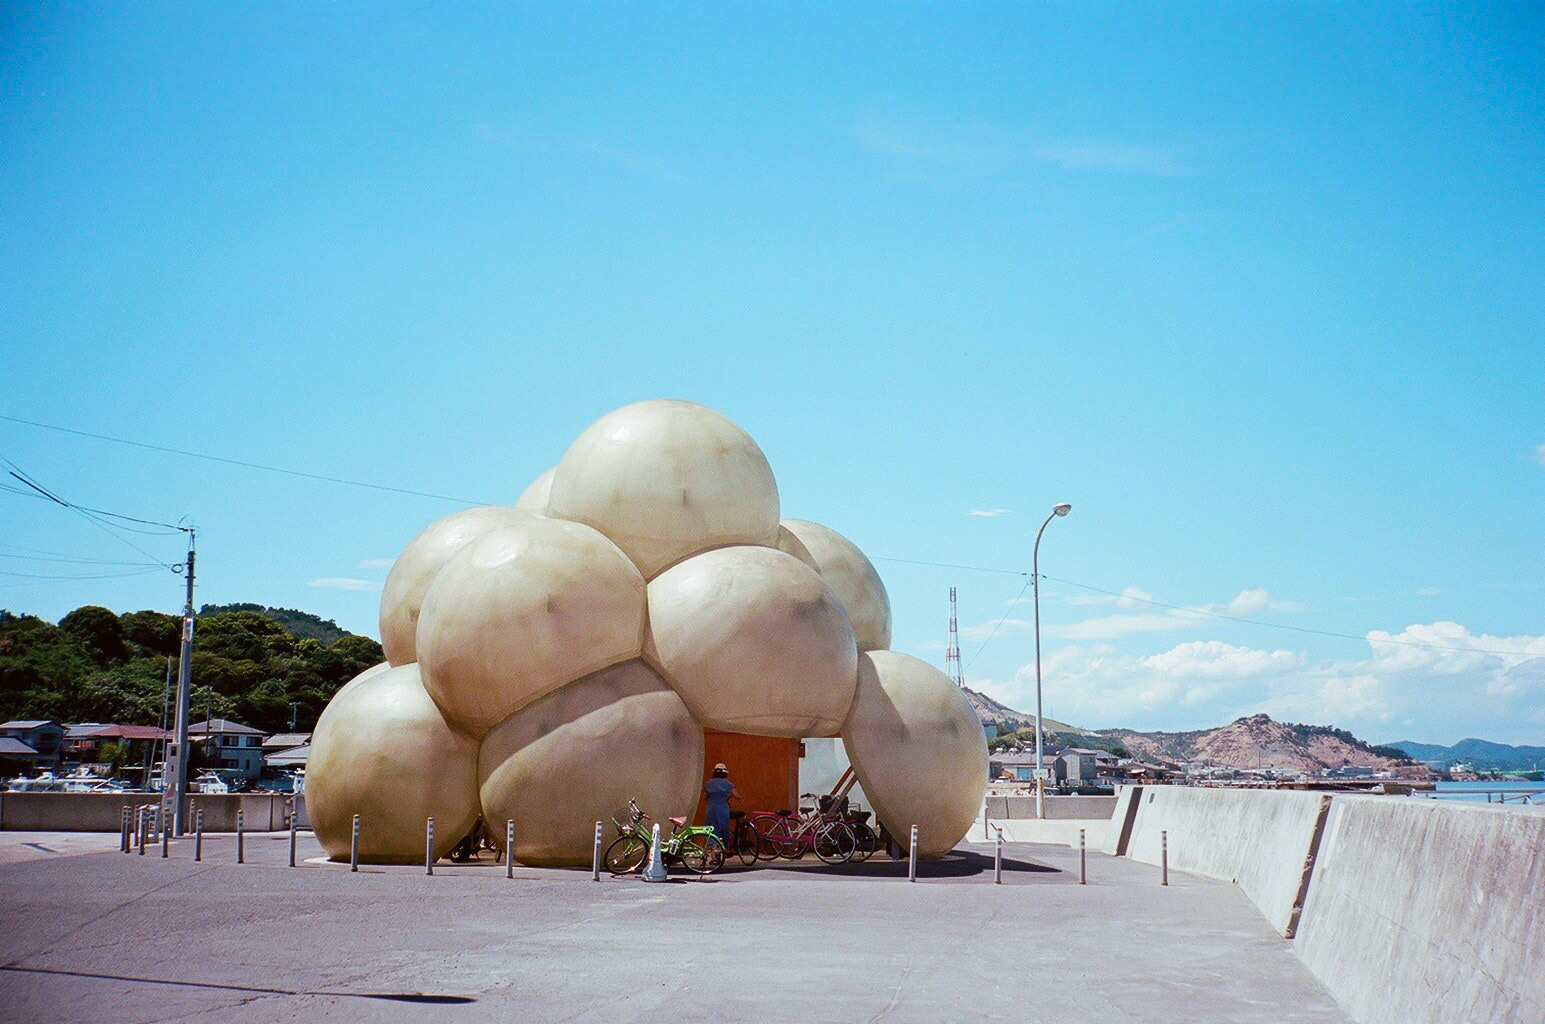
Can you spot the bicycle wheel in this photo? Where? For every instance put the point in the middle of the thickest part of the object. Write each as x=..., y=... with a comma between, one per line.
x=747, y=843
x=701, y=853
x=772, y=833
x=865, y=842
x=834, y=843
x=626, y=855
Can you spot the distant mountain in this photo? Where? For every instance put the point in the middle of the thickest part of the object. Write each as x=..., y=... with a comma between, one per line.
x=1259, y=742
x=1253, y=742
x=301, y=625
x=1479, y=754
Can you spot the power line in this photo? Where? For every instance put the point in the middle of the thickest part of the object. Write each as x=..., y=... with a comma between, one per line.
x=20, y=474
x=71, y=560
x=84, y=576
x=1199, y=612
x=996, y=625
x=241, y=462
x=1281, y=625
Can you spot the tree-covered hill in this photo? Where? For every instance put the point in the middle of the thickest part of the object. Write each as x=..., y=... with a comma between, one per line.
x=249, y=664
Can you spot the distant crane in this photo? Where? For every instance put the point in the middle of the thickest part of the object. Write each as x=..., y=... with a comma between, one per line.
x=952, y=653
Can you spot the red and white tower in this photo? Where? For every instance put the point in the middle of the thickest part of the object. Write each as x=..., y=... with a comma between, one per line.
x=952, y=654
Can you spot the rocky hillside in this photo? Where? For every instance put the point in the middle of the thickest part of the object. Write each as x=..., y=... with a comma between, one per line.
x=1259, y=742
x=1253, y=742
x=992, y=712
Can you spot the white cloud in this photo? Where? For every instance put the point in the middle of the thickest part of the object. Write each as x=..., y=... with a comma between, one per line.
x=1163, y=619
x=343, y=583
x=1539, y=454
x=1217, y=660
x=988, y=513
x=375, y=563
x=1457, y=684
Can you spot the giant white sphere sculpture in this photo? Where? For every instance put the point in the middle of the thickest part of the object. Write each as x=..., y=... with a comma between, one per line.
x=754, y=641
x=534, y=497
x=852, y=576
x=418, y=565
x=918, y=749
x=577, y=755
x=667, y=479
x=522, y=610
x=382, y=750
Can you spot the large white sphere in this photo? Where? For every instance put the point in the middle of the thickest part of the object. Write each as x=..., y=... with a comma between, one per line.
x=852, y=576
x=383, y=750
x=667, y=479
x=918, y=749
x=417, y=566
x=534, y=497
x=754, y=641
x=369, y=673
x=572, y=758
x=522, y=610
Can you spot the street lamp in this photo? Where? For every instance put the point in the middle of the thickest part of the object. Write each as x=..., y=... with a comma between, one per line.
x=1035, y=582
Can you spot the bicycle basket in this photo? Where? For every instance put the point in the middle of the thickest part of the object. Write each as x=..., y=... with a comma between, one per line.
x=627, y=820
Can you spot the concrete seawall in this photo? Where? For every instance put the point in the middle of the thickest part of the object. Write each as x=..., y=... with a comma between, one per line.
x=1060, y=807
x=1262, y=840
x=1408, y=911
x=1421, y=912
x=99, y=812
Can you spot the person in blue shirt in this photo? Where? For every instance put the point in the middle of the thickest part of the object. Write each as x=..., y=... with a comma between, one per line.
x=720, y=791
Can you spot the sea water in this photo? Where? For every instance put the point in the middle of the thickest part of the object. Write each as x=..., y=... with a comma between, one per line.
x=1513, y=789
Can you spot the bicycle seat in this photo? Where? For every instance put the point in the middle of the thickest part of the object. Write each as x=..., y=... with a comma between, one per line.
x=785, y=813
x=678, y=822
x=737, y=814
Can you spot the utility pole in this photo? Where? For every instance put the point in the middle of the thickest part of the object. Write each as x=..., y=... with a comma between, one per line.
x=952, y=652
x=179, y=770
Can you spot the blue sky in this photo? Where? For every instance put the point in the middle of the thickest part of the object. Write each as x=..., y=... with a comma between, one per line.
x=1259, y=289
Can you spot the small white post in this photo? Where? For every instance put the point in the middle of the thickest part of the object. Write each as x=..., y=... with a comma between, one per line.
x=997, y=861
x=1083, y=871
x=912, y=858
x=142, y=827
x=595, y=857
x=509, y=848
x=241, y=837
x=429, y=847
x=292, y=832
x=354, y=846
x=1164, y=857
x=198, y=835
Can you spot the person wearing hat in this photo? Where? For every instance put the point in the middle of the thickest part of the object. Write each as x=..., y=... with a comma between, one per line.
x=720, y=791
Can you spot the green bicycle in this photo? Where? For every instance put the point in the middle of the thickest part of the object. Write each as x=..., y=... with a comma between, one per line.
x=696, y=847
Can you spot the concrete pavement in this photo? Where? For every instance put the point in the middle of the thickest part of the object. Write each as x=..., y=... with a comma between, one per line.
x=93, y=936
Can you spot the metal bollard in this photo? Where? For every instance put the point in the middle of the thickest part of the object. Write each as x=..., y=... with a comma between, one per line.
x=125, y=816
x=595, y=858
x=198, y=835
x=166, y=834
x=354, y=846
x=143, y=827
x=1083, y=863
x=1164, y=857
x=912, y=858
x=997, y=861
x=292, y=833
x=509, y=848
x=241, y=838
x=429, y=847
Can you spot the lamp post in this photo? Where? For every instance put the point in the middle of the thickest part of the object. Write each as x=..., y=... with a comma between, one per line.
x=1035, y=583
